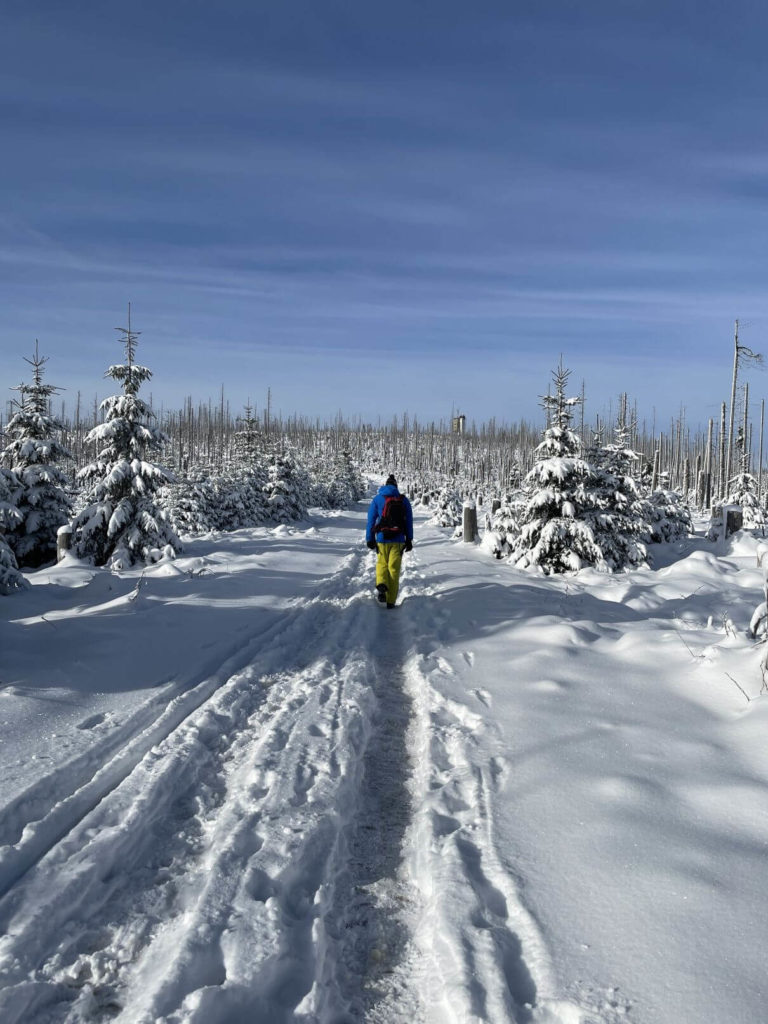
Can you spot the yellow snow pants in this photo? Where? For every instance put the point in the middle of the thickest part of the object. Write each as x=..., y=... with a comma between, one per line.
x=388, y=568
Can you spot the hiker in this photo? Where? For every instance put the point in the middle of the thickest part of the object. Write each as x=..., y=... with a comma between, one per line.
x=390, y=532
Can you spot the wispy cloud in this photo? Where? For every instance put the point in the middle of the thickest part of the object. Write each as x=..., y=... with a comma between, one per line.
x=298, y=187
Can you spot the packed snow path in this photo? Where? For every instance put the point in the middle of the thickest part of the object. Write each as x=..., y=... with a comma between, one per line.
x=282, y=802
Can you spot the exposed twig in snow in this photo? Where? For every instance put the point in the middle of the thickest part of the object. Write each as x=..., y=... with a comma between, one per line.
x=696, y=657
x=740, y=687
x=137, y=588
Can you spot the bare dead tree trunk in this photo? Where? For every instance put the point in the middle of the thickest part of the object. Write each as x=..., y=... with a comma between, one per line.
x=760, y=456
x=734, y=377
x=721, y=474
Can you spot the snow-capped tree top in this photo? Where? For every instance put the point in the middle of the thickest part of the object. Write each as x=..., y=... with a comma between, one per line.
x=131, y=376
x=35, y=397
x=129, y=373
x=559, y=407
x=558, y=442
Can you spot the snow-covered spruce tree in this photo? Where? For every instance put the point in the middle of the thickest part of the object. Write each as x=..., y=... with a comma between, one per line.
x=189, y=505
x=122, y=522
x=616, y=511
x=247, y=443
x=503, y=528
x=336, y=480
x=286, y=489
x=248, y=472
x=238, y=498
x=34, y=453
x=449, y=507
x=743, y=491
x=668, y=517
x=554, y=535
x=347, y=484
x=10, y=578
x=742, y=488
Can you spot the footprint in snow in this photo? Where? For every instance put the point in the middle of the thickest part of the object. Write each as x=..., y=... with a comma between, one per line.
x=499, y=771
x=548, y=686
x=443, y=825
x=92, y=722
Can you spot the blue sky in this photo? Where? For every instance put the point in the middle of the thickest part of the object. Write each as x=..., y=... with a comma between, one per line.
x=385, y=207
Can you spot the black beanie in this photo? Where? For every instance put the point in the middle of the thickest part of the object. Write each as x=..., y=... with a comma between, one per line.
x=390, y=481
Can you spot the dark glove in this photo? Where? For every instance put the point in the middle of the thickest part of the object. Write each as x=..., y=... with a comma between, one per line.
x=371, y=544
x=409, y=545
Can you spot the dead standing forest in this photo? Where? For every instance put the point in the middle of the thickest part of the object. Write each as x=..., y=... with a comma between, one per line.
x=475, y=457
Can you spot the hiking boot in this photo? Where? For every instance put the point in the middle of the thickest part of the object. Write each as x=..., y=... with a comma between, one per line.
x=382, y=592
x=390, y=605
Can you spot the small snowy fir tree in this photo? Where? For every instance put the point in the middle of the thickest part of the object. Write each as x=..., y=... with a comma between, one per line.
x=33, y=454
x=10, y=578
x=504, y=528
x=554, y=535
x=449, y=507
x=122, y=522
x=238, y=498
x=617, y=513
x=286, y=489
x=344, y=482
x=189, y=505
x=247, y=447
x=668, y=517
x=742, y=489
x=248, y=473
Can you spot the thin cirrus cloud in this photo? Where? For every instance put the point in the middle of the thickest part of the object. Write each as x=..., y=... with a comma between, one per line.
x=305, y=190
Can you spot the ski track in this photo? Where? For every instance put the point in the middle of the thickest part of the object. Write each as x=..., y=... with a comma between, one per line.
x=503, y=964
x=137, y=855
x=304, y=834
x=482, y=955
x=370, y=970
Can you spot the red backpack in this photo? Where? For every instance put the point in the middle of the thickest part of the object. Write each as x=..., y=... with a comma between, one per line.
x=392, y=521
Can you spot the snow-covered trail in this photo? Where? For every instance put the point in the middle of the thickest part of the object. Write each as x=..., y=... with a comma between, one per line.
x=242, y=846
x=593, y=790
x=199, y=852
x=497, y=803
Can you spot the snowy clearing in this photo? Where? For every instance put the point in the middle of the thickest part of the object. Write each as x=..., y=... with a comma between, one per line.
x=237, y=789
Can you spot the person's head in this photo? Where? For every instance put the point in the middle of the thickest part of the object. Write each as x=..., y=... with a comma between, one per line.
x=390, y=481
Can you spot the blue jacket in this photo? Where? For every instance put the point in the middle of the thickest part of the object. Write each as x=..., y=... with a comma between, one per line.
x=375, y=511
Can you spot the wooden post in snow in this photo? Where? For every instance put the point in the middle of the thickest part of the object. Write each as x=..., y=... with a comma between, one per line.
x=470, y=523
x=733, y=519
x=63, y=541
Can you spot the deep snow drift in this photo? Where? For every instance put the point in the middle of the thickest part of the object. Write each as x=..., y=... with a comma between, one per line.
x=234, y=788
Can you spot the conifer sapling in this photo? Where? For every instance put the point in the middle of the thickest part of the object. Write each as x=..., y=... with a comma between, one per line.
x=122, y=522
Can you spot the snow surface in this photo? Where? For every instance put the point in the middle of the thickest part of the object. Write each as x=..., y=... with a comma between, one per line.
x=234, y=788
